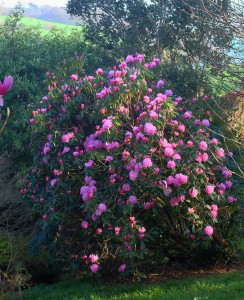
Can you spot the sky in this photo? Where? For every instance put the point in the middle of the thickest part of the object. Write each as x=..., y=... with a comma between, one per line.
x=57, y=3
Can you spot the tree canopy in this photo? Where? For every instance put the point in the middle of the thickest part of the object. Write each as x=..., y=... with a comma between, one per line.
x=127, y=26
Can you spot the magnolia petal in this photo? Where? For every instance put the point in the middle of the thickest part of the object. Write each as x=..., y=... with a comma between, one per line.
x=8, y=81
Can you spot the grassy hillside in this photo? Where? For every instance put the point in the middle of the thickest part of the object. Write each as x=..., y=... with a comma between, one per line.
x=44, y=25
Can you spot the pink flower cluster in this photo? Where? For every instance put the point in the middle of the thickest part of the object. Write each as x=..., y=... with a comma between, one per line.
x=178, y=180
x=208, y=230
x=87, y=191
x=176, y=200
x=214, y=210
x=101, y=208
x=107, y=124
x=150, y=129
x=66, y=137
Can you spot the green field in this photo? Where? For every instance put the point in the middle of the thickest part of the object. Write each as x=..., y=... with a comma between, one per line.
x=44, y=25
x=229, y=286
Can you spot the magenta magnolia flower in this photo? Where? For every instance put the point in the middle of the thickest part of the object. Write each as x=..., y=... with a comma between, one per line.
x=5, y=87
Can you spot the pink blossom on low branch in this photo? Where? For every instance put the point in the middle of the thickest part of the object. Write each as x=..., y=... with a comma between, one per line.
x=94, y=268
x=122, y=268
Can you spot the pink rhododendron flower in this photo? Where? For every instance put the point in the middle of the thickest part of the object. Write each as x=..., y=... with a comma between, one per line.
x=231, y=199
x=198, y=157
x=102, y=207
x=99, y=71
x=44, y=217
x=132, y=199
x=187, y=115
x=126, y=187
x=178, y=99
x=147, y=163
x=181, y=179
x=205, y=122
x=214, y=207
x=93, y=258
x=214, y=213
x=150, y=129
x=108, y=158
x=133, y=77
x=168, y=93
x=133, y=175
x=107, y=124
x=74, y=77
x=189, y=144
x=147, y=205
x=84, y=224
x=117, y=230
x=152, y=65
x=54, y=182
x=203, y=146
x=221, y=186
x=193, y=192
x=209, y=189
x=228, y=184
x=153, y=114
x=208, y=230
x=66, y=137
x=220, y=152
x=170, y=180
x=214, y=141
x=89, y=164
x=176, y=156
x=191, y=210
x=94, y=268
x=168, y=151
x=129, y=58
x=226, y=173
x=171, y=164
x=66, y=150
x=181, y=128
x=174, y=201
x=122, y=268
x=204, y=157
x=142, y=230
x=160, y=83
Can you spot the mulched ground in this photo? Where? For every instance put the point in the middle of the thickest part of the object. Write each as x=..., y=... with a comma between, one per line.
x=180, y=271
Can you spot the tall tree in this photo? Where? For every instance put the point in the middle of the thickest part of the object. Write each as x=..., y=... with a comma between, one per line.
x=151, y=26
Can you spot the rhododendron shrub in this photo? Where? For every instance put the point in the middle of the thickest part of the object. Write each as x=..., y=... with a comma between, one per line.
x=123, y=173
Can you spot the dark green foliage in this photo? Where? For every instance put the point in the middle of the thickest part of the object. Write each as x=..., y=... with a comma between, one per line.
x=27, y=55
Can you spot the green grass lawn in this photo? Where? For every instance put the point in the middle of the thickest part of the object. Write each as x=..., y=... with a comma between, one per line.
x=229, y=286
x=44, y=25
